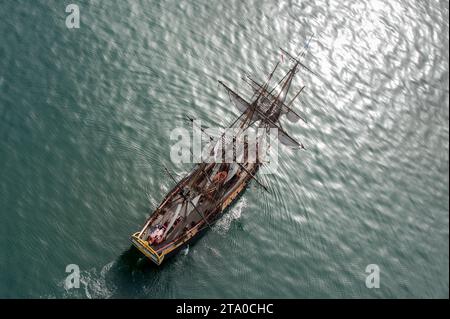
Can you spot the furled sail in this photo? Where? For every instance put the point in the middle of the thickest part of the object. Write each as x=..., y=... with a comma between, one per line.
x=290, y=115
x=285, y=139
x=214, y=172
x=241, y=104
x=267, y=99
x=191, y=206
x=234, y=167
x=174, y=218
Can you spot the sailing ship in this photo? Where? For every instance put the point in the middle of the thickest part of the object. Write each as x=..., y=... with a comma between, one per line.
x=201, y=197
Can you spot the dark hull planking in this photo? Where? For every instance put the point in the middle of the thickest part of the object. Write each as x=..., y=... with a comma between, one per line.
x=159, y=256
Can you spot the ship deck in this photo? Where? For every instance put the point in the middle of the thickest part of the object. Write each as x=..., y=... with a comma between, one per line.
x=209, y=203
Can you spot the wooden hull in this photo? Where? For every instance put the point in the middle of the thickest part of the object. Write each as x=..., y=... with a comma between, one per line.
x=158, y=256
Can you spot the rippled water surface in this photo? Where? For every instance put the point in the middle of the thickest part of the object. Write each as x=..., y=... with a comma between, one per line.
x=85, y=121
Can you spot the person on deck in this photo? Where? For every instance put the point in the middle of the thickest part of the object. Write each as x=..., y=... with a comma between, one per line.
x=156, y=235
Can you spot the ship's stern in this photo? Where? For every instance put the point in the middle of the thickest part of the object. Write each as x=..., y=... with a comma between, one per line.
x=146, y=249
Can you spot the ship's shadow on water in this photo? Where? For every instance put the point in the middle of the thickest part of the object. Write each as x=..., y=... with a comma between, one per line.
x=131, y=260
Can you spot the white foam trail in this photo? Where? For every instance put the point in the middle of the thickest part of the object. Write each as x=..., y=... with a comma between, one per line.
x=224, y=223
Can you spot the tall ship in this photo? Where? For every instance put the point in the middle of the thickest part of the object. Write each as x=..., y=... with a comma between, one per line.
x=200, y=198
